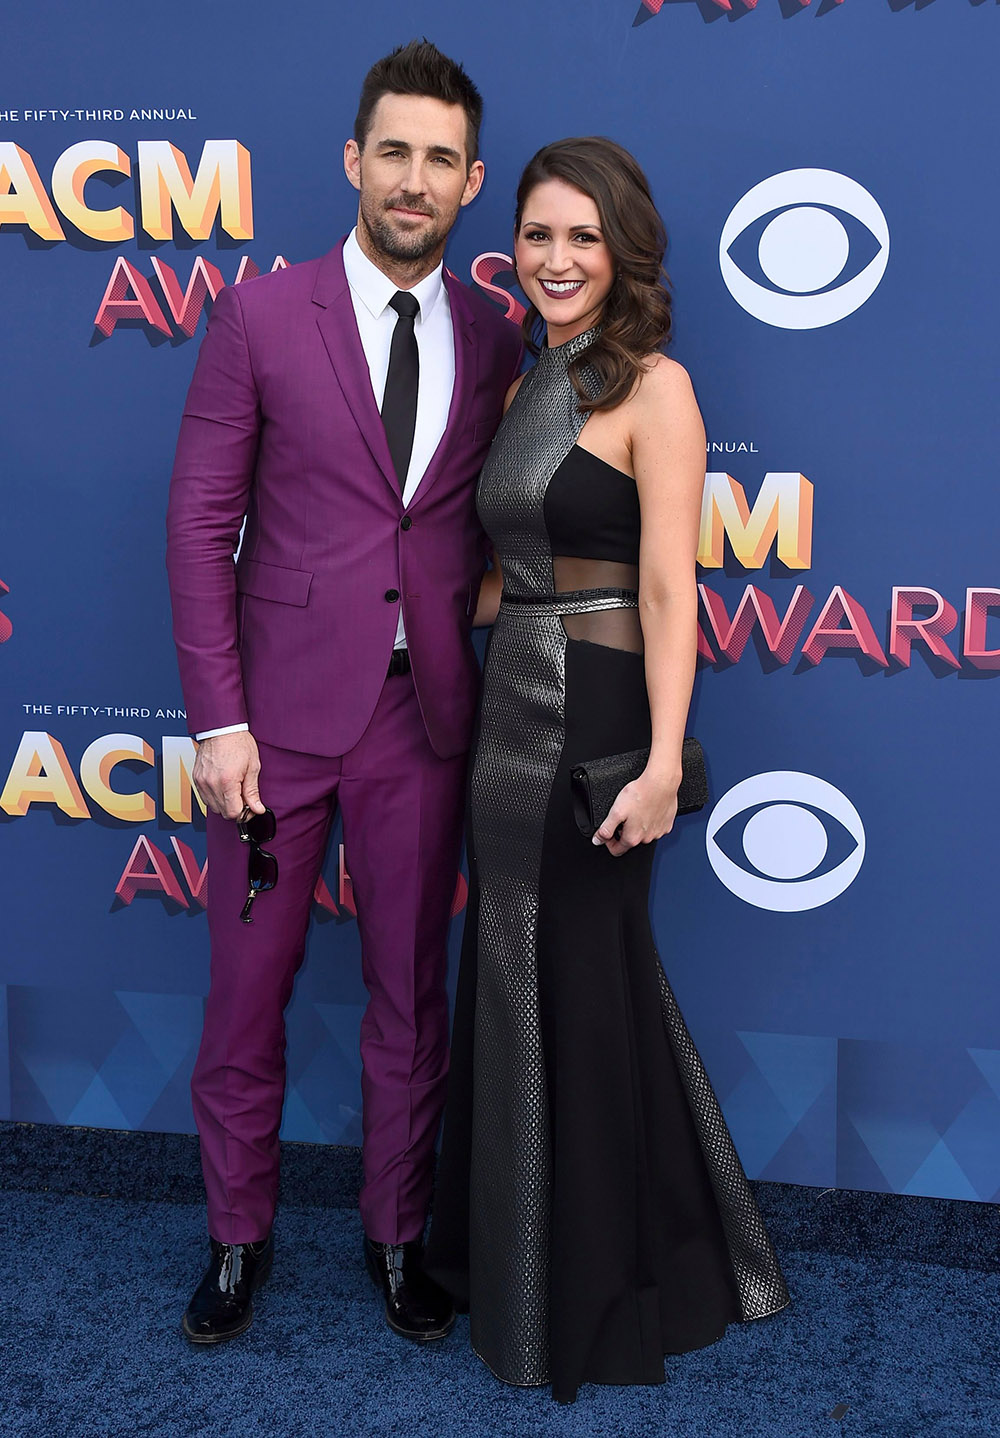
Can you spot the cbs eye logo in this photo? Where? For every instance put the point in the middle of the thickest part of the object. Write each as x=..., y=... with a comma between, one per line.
x=797, y=230
x=797, y=859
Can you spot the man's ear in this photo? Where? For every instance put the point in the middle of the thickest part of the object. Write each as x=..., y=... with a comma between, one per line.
x=474, y=181
x=352, y=163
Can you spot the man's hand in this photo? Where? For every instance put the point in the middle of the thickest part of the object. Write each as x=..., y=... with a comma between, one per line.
x=226, y=770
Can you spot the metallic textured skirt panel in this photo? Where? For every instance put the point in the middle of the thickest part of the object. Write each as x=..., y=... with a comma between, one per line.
x=520, y=744
x=759, y=1280
x=519, y=749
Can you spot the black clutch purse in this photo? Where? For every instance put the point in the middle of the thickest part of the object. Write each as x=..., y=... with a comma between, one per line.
x=597, y=784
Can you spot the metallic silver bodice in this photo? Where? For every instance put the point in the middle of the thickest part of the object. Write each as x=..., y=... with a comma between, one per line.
x=537, y=433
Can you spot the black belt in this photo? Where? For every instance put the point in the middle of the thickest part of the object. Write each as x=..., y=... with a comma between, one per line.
x=399, y=663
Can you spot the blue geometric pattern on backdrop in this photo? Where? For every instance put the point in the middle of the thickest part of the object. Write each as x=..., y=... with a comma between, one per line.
x=323, y=1101
x=853, y=1113
x=865, y=1112
x=124, y=1060
x=100, y=1059
x=779, y=1095
x=920, y=1119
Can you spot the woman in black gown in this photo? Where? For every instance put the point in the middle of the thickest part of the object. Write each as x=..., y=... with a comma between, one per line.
x=591, y=1209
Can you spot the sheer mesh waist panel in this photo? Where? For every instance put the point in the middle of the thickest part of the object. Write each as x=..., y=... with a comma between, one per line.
x=596, y=599
x=614, y=628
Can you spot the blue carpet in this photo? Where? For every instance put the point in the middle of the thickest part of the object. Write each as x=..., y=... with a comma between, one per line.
x=95, y=1289
x=895, y=1314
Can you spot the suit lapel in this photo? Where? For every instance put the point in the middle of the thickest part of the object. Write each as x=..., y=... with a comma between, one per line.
x=463, y=327
x=339, y=329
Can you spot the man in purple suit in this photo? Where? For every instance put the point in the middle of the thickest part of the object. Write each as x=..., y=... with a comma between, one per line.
x=344, y=407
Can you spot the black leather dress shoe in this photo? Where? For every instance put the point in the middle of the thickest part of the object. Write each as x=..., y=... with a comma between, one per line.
x=222, y=1306
x=415, y=1306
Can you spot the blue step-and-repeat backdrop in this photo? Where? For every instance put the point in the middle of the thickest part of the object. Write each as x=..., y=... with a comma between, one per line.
x=826, y=171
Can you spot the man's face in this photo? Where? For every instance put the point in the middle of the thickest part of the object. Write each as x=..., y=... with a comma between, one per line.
x=413, y=175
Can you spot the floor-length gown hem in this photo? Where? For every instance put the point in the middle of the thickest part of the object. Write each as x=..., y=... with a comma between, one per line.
x=624, y=1382
x=510, y=1382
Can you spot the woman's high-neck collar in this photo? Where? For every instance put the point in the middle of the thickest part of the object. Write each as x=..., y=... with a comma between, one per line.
x=569, y=349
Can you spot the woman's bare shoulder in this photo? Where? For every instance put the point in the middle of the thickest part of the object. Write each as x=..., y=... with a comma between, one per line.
x=663, y=378
x=664, y=408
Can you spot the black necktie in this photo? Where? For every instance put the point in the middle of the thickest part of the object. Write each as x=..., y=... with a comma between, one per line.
x=399, y=403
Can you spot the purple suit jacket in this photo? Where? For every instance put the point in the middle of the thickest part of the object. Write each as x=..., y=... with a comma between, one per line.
x=281, y=425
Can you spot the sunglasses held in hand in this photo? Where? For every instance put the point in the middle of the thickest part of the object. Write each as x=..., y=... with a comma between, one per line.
x=262, y=867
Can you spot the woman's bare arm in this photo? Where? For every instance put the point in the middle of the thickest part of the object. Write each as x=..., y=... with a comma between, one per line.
x=667, y=440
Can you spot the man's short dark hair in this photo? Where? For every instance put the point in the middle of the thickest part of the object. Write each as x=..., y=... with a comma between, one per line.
x=419, y=68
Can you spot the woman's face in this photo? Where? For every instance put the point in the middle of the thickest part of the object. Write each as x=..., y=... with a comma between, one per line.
x=563, y=263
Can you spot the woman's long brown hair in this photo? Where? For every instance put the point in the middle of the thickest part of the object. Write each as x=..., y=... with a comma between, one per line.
x=635, y=320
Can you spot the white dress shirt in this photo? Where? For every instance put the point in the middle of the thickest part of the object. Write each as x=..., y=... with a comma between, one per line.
x=371, y=292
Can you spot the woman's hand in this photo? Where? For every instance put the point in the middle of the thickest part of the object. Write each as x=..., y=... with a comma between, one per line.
x=644, y=810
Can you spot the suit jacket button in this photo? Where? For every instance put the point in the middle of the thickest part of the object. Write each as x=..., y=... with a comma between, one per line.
x=391, y=595
x=406, y=522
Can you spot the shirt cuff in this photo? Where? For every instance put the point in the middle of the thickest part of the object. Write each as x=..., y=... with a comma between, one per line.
x=229, y=729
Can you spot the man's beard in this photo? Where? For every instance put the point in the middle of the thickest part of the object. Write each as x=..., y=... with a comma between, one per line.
x=396, y=245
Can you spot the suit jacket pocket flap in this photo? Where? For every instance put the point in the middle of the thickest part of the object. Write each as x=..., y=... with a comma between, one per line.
x=270, y=581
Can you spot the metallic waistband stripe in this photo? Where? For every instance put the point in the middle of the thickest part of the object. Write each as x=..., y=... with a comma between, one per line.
x=576, y=601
